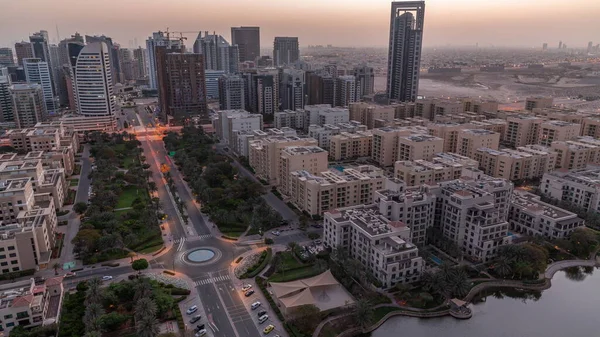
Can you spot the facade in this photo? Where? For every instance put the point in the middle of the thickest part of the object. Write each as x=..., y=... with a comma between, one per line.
x=292, y=89
x=40, y=46
x=577, y=153
x=323, y=114
x=230, y=121
x=311, y=159
x=433, y=108
x=418, y=146
x=579, y=187
x=248, y=41
x=29, y=106
x=262, y=91
x=113, y=55
x=522, y=130
x=365, y=81
x=530, y=216
x=212, y=83
x=242, y=139
x=218, y=53
x=448, y=132
x=139, y=56
x=264, y=154
x=158, y=39
x=590, y=127
x=289, y=119
x=347, y=145
x=318, y=193
x=443, y=167
x=68, y=51
x=23, y=50
x=527, y=162
x=538, y=103
x=38, y=72
x=479, y=105
x=324, y=133
x=285, y=51
x=470, y=140
x=551, y=131
x=231, y=92
x=6, y=57
x=386, y=141
x=370, y=114
x=404, y=51
x=51, y=181
x=382, y=246
x=80, y=123
x=182, y=85
x=346, y=90
x=93, y=81
x=6, y=105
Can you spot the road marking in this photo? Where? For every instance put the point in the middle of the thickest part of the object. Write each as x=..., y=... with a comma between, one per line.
x=212, y=280
x=181, y=243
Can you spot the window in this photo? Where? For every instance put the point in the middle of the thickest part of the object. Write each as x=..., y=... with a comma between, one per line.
x=9, y=316
x=11, y=247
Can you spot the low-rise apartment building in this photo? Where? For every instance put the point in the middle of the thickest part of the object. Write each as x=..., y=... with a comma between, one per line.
x=311, y=159
x=347, y=146
x=368, y=114
x=576, y=154
x=472, y=139
x=557, y=131
x=50, y=181
x=448, y=132
x=530, y=216
x=30, y=304
x=590, y=126
x=579, y=187
x=241, y=139
x=443, y=167
x=526, y=162
x=419, y=146
x=227, y=122
x=385, y=143
x=382, y=246
x=522, y=130
x=323, y=134
x=318, y=193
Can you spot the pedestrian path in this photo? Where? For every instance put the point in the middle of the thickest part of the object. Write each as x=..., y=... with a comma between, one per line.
x=212, y=280
x=181, y=241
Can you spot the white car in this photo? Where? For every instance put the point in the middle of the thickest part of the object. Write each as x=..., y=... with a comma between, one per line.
x=276, y=233
x=200, y=333
x=107, y=278
x=255, y=305
x=246, y=287
x=192, y=309
x=263, y=319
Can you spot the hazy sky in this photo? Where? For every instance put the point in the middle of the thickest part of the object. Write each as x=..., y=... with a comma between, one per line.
x=337, y=22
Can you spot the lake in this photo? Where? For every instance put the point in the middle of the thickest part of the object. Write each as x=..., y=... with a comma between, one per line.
x=569, y=308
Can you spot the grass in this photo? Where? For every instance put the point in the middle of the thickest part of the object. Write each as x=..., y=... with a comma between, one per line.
x=295, y=274
x=70, y=198
x=129, y=194
x=151, y=249
x=128, y=161
x=289, y=261
x=233, y=234
x=378, y=313
x=73, y=182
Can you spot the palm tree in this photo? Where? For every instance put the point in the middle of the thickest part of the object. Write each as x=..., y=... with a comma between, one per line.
x=143, y=289
x=292, y=245
x=145, y=308
x=93, y=294
x=147, y=327
x=91, y=318
x=502, y=266
x=131, y=255
x=56, y=266
x=363, y=313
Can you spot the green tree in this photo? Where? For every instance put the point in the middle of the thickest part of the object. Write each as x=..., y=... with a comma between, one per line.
x=93, y=294
x=143, y=289
x=502, y=266
x=306, y=317
x=56, y=267
x=363, y=313
x=147, y=326
x=112, y=321
x=92, y=315
x=80, y=207
x=140, y=264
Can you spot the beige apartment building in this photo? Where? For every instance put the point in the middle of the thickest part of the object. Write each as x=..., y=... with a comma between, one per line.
x=557, y=131
x=311, y=159
x=448, y=132
x=264, y=154
x=443, y=167
x=479, y=105
x=590, y=126
x=538, y=103
x=347, y=146
x=578, y=187
x=460, y=118
x=472, y=139
x=316, y=194
x=419, y=146
x=528, y=162
x=241, y=139
x=496, y=125
x=430, y=107
x=576, y=154
x=522, y=130
x=51, y=181
x=367, y=114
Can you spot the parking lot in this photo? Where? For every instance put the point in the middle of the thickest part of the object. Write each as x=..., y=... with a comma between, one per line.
x=264, y=306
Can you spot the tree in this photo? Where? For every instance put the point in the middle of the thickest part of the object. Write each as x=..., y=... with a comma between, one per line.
x=143, y=289
x=292, y=245
x=112, y=321
x=363, y=313
x=147, y=327
x=140, y=264
x=131, y=255
x=93, y=294
x=56, y=266
x=145, y=308
x=91, y=318
x=502, y=266
x=80, y=207
x=125, y=125
x=306, y=317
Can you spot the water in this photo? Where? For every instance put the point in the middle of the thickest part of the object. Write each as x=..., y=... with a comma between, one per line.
x=201, y=255
x=569, y=308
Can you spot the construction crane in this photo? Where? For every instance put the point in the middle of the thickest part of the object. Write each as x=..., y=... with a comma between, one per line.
x=181, y=37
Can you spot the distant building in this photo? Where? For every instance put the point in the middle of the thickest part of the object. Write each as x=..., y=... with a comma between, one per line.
x=38, y=71
x=522, y=130
x=285, y=51
x=218, y=53
x=231, y=92
x=158, y=39
x=212, y=83
x=113, y=55
x=470, y=140
x=6, y=105
x=552, y=131
x=580, y=187
x=24, y=51
x=404, y=52
x=347, y=145
x=538, y=102
x=29, y=106
x=311, y=159
x=443, y=167
x=365, y=81
x=346, y=90
x=248, y=41
x=93, y=81
x=527, y=162
x=292, y=89
x=6, y=57
x=230, y=121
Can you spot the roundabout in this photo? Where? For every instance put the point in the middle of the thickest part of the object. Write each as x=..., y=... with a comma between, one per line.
x=200, y=256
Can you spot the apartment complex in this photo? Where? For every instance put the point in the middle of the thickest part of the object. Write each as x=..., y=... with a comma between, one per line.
x=448, y=132
x=264, y=155
x=522, y=130
x=324, y=133
x=241, y=139
x=530, y=216
x=579, y=187
x=50, y=181
x=590, y=127
x=29, y=107
x=370, y=115
x=443, y=167
x=311, y=159
x=318, y=193
x=538, y=103
x=227, y=122
x=319, y=114
x=382, y=246
x=552, y=131
x=386, y=142
x=347, y=146
x=577, y=153
x=526, y=162
x=419, y=146
x=472, y=139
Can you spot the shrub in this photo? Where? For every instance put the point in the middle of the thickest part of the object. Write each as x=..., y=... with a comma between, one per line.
x=179, y=291
x=313, y=235
x=269, y=241
x=16, y=274
x=262, y=262
x=140, y=264
x=169, y=272
x=180, y=322
x=110, y=264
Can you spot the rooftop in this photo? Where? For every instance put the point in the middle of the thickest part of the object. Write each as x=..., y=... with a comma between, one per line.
x=532, y=203
x=302, y=150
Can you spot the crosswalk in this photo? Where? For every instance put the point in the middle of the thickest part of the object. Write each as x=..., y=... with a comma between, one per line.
x=181, y=241
x=212, y=280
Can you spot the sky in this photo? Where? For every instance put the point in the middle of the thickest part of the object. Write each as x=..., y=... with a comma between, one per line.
x=357, y=23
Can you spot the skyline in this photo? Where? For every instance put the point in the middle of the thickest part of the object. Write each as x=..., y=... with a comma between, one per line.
x=352, y=23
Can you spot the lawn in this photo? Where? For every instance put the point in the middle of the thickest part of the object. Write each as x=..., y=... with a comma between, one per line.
x=129, y=194
x=151, y=249
x=73, y=182
x=289, y=261
x=382, y=311
x=295, y=274
x=128, y=161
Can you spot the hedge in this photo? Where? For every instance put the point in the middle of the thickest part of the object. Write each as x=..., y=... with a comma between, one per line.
x=179, y=291
x=169, y=272
x=254, y=270
x=17, y=274
x=110, y=264
x=179, y=316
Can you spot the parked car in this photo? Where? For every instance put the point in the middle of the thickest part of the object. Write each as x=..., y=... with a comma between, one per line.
x=263, y=319
x=192, y=310
x=262, y=313
x=268, y=329
x=195, y=319
x=249, y=293
x=276, y=233
x=255, y=305
x=245, y=287
x=200, y=333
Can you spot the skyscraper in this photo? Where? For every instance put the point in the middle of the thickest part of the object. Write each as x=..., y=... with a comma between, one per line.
x=265, y=93
x=40, y=46
x=38, y=72
x=404, y=53
x=28, y=104
x=292, y=89
x=181, y=85
x=158, y=39
x=346, y=90
x=218, y=53
x=6, y=57
x=248, y=41
x=6, y=106
x=285, y=51
x=68, y=51
x=139, y=55
x=231, y=92
x=365, y=81
x=113, y=53
x=93, y=81
x=212, y=82
x=23, y=51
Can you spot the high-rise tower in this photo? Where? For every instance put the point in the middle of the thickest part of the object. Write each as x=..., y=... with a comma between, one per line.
x=158, y=39
x=285, y=51
x=218, y=53
x=248, y=41
x=38, y=72
x=93, y=81
x=404, y=54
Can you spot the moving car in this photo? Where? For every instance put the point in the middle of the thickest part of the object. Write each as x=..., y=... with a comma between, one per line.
x=246, y=287
x=255, y=305
x=268, y=329
x=276, y=233
x=195, y=319
x=107, y=278
x=249, y=293
x=192, y=310
x=70, y=274
x=263, y=319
